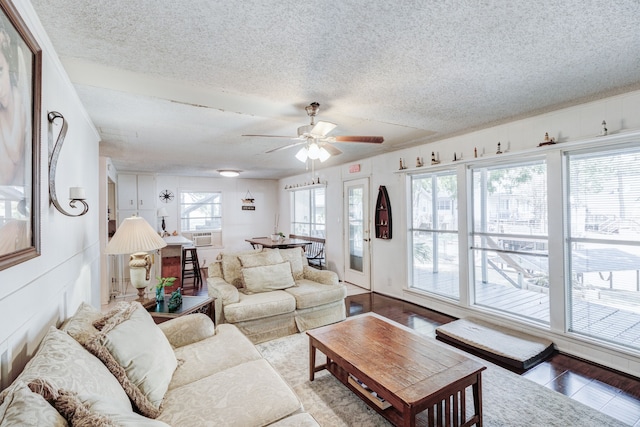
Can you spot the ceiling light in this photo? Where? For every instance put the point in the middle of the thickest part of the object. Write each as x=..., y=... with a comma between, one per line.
x=229, y=173
x=314, y=151
x=302, y=154
x=323, y=155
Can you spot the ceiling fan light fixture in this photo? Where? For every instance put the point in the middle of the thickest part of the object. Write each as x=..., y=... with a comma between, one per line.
x=229, y=173
x=324, y=154
x=302, y=154
x=314, y=151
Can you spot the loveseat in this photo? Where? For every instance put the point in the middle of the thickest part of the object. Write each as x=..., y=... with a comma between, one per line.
x=121, y=369
x=270, y=293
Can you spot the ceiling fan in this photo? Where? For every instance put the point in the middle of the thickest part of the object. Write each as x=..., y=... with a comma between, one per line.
x=314, y=136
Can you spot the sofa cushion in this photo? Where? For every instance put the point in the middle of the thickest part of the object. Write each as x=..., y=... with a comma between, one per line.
x=185, y=330
x=267, y=278
x=258, y=306
x=138, y=354
x=231, y=267
x=62, y=361
x=227, y=348
x=312, y=294
x=81, y=323
x=258, y=397
x=256, y=259
x=295, y=256
x=23, y=408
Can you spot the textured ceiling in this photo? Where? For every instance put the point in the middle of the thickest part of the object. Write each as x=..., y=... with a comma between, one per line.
x=172, y=86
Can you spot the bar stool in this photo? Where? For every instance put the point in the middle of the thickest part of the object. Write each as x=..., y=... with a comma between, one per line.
x=191, y=266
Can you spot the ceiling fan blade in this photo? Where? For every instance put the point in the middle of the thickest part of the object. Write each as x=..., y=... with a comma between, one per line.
x=367, y=139
x=322, y=129
x=284, y=147
x=334, y=151
x=274, y=136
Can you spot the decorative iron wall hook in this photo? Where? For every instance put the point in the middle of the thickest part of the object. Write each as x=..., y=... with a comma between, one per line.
x=76, y=193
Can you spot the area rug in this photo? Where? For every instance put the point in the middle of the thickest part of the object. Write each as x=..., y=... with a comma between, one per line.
x=513, y=348
x=508, y=399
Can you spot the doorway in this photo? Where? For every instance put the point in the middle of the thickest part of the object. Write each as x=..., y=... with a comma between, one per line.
x=357, y=233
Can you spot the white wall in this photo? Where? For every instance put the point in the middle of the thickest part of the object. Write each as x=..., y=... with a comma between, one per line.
x=45, y=290
x=237, y=225
x=389, y=257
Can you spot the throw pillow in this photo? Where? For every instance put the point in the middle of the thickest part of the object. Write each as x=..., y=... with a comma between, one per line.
x=80, y=325
x=24, y=408
x=266, y=257
x=294, y=256
x=69, y=405
x=231, y=268
x=61, y=360
x=267, y=278
x=138, y=354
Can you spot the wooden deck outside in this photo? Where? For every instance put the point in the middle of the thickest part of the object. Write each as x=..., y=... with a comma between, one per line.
x=588, y=318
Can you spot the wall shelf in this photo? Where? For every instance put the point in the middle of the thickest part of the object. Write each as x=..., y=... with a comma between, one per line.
x=383, y=215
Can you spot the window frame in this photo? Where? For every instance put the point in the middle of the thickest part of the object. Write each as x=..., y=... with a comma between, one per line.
x=435, y=230
x=219, y=193
x=312, y=206
x=483, y=250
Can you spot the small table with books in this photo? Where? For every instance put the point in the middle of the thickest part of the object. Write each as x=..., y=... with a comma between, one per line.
x=400, y=374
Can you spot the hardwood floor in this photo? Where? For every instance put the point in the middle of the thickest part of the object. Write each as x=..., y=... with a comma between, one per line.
x=610, y=392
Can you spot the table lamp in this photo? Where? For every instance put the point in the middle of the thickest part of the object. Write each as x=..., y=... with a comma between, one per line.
x=136, y=237
x=162, y=213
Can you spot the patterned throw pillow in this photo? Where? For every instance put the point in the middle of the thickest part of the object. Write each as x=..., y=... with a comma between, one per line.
x=267, y=278
x=22, y=407
x=295, y=256
x=138, y=354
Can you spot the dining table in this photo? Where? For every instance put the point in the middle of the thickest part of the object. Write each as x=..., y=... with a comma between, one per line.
x=284, y=243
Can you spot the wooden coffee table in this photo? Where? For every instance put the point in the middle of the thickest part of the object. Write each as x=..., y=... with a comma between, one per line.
x=410, y=374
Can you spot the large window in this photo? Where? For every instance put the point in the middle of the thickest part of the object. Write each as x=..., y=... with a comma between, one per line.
x=200, y=211
x=308, y=212
x=603, y=245
x=434, y=234
x=509, y=239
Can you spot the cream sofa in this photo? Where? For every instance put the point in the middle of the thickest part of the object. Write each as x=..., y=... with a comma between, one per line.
x=270, y=293
x=180, y=373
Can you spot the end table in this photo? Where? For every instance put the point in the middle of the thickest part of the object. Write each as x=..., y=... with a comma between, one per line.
x=190, y=304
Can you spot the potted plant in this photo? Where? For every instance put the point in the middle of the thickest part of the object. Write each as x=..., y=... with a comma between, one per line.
x=277, y=237
x=162, y=282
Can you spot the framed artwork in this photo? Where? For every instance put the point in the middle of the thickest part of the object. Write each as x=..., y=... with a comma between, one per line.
x=20, y=91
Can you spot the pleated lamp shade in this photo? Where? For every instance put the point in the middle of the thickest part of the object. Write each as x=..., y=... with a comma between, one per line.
x=134, y=235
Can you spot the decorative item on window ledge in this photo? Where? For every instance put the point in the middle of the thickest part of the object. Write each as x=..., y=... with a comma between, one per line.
x=419, y=162
x=136, y=237
x=604, y=128
x=433, y=159
x=499, y=151
x=547, y=140
x=313, y=182
x=76, y=194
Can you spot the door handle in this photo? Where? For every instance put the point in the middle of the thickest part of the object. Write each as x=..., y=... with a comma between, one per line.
x=366, y=240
